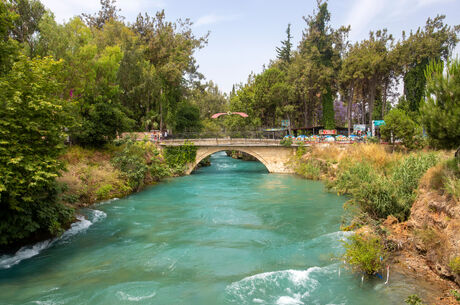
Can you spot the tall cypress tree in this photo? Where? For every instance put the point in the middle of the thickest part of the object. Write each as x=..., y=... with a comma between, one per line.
x=414, y=85
x=317, y=45
x=284, y=52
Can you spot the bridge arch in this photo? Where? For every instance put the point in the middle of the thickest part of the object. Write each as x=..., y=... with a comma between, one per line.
x=203, y=152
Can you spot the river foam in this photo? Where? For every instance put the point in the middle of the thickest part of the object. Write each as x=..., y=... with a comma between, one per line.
x=284, y=287
x=26, y=252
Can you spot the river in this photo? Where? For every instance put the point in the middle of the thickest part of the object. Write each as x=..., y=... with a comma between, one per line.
x=228, y=234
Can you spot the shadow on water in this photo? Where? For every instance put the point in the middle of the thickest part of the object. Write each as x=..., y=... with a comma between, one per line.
x=223, y=164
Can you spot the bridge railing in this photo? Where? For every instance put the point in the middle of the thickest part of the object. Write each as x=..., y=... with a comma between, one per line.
x=224, y=135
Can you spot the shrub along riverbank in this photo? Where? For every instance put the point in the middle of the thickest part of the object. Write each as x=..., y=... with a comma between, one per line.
x=404, y=206
x=119, y=169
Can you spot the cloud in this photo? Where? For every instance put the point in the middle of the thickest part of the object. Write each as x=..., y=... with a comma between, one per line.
x=212, y=19
x=362, y=13
x=430, y=2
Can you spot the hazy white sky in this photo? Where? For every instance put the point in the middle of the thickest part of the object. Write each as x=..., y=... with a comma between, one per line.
x=245, y=33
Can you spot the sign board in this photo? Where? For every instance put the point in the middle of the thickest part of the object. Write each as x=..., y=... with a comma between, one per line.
x=359, y=127
x=328, y=132
x=285, y=123
x=376, y=123
x=275, y=129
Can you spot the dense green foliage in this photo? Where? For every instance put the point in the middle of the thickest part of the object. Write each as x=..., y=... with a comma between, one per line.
x=187, y=118
x=414, y=86
x=440, y=111
x=399, y=126
x=364, y=253
x=31, y=139
x=177, y=157
x=141, y=163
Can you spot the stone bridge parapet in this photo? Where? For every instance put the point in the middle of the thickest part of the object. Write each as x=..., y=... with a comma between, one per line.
x=274, y=156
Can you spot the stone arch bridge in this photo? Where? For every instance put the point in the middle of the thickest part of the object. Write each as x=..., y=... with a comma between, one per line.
x=270, y=153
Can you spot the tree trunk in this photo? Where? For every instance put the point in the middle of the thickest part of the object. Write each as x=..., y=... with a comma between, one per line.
x=384, y=98
x=350, y=106
x=161, y=110
x=147, y=112
x=305, y=113
x=309, y=111
x=372, y=88
x=289, y=124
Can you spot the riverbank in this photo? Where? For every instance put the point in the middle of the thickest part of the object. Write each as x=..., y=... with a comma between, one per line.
x=94, y=175
x=409, y=200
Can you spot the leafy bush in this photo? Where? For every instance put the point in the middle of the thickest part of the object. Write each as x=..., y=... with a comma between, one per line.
x=179, y=156
x=140, y=163
x=364, y=253
x=131, y=162
x=104, y=191
x=32, y=120
x=286, y=142
x=398, y=125
x=413, y=300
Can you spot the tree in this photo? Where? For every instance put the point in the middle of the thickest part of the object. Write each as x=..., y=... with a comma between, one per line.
x=321, y=48
x=31, y=140
x=8, y=47
x=101, y=114
x=26, y=26
x=414, y=85
x=433, y=42
x=284, y=52
x=440, y=111
x=187, y=118
x=398, y=125
x=366, y=71
x=364, y=254
x=169, y=47
x=108, y=12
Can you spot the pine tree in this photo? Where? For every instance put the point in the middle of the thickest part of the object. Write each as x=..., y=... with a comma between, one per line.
x=284, y=52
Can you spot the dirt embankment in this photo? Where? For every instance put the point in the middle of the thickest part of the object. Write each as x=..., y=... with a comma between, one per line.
x=428, y=243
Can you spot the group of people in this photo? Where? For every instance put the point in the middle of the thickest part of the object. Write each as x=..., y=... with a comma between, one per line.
x=157, y=135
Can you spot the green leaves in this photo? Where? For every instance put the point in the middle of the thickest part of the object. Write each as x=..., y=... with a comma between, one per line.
x=31, y=139
x=364, y=253
x=179, y=156
x=399, y=126
x=440, y=111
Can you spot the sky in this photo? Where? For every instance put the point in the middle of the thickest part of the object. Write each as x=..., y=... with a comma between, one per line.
x=245, y=33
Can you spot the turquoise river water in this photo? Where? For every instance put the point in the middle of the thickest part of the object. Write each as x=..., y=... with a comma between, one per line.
x=228, y=234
